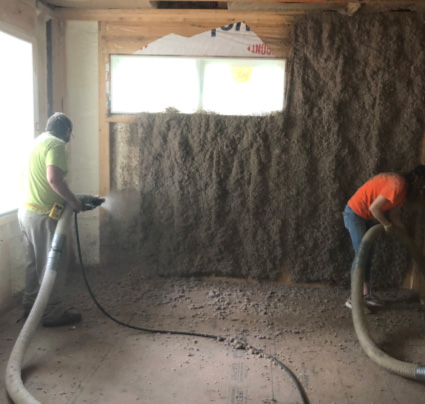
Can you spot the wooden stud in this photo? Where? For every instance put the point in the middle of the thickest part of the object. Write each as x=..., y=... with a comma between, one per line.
x=104, y=151
x=58, y=65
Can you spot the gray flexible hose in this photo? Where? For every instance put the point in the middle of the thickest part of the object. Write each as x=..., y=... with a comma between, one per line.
x=405, y=369
x=14, y=384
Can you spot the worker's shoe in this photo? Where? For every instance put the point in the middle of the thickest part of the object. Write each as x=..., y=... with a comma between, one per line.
x=349, y=305
x=68, y=317
x=372, y=300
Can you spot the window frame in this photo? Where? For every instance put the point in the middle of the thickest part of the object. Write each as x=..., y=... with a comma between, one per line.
x=198, y=59
x=10, y=215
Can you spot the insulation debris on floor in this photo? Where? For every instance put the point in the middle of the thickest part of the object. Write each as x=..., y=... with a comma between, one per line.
x=308, y=329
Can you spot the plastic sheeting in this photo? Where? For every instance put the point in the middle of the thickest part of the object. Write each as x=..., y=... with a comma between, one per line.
x=234, y=40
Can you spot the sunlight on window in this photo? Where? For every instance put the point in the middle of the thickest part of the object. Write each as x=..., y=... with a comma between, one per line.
x=16, y=116
x=253, y=88
x=221, y=85
x=140, y=84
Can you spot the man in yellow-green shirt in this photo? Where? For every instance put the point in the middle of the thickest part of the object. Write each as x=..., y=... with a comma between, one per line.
x=43, y=186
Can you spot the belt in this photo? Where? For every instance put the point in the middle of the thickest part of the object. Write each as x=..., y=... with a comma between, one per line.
x=36, y=208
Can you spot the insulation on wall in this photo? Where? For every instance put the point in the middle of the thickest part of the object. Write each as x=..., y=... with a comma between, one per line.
x=249, y=196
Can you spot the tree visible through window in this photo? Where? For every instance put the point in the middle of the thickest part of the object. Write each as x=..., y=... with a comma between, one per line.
x=225, y=86
x=16, y=116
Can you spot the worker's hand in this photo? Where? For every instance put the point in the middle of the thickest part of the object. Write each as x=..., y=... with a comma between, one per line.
x=76, y=205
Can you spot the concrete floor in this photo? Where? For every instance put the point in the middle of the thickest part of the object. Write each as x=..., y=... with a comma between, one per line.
x=308, y=329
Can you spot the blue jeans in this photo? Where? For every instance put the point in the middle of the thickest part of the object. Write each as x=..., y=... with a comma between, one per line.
x=357, y=226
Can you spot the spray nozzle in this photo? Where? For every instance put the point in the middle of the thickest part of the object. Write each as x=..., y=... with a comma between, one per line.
x=90, y=202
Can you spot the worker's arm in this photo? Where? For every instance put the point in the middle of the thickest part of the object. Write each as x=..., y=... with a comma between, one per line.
x=395, y=217
x=377, y=212
x=56, y=179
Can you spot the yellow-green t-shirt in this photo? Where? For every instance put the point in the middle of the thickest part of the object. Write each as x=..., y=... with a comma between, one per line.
x=38, y=195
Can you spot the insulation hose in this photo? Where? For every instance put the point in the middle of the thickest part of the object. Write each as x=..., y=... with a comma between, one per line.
x=14, y=383
x=405, y=369
x=298, y=385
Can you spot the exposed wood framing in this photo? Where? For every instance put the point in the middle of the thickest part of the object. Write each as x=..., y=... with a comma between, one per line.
x=46, y=10
x=19, y=14
x=119, y=37
x=104, y=151
x=40, y=67
x=143, y=4
x=128, y=38
x=165, y=16
x=27, y=19
x=58, y=65
x=348, y=8
x=126, y=32
x=144, y=26
x=293, y=8
x=139, y=4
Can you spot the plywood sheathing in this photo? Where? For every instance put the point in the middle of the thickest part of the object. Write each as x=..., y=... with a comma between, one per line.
x=239, y=196
x=128, y=38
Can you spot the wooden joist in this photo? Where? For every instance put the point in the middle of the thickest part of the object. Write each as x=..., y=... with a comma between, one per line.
x=19, y=14
x=138, y=4
x=221, y=17
x=279, y=29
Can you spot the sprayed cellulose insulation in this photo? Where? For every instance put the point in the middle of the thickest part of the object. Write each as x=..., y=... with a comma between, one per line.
x=251, y=196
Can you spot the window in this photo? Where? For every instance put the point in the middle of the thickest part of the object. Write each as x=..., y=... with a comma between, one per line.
x=16, y=116
x=221, y=85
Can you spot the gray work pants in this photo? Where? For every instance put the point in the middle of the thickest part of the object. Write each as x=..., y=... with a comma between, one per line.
x=38, y=231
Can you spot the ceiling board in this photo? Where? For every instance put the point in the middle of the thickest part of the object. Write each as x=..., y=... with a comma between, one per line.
x=135, y=4
x=284, y=6
x=102, y=4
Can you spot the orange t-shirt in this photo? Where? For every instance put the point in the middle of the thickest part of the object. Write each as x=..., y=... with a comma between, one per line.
x=390, y=185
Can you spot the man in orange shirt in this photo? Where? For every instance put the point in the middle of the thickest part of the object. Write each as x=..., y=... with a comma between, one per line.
x=380, y=199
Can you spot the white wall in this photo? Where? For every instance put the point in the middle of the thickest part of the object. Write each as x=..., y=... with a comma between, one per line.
x=12, y=260
x=81, y=105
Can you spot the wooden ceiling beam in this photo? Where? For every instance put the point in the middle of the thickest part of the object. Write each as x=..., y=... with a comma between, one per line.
x=100, y=4
x=328, y=2
x=117, y=4
x=160, y=16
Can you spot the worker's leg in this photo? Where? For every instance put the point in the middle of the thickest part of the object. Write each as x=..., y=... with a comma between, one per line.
x=31, y=277
x=367, y=290
x=357, y=227
x=38, y=231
